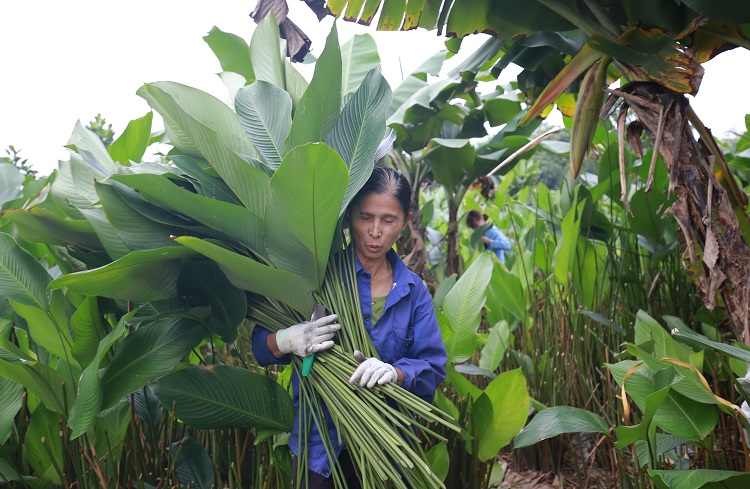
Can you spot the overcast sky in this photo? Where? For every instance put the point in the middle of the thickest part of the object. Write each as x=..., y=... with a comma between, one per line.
x=68, y=61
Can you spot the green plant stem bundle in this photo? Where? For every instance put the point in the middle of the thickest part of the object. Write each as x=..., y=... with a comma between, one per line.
x=379, y=426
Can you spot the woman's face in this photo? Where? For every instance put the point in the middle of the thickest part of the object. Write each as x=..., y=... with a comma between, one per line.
x=376, y=223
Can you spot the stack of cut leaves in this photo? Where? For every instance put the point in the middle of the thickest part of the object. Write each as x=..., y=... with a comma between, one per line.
x=362, y=417
x=249, y=205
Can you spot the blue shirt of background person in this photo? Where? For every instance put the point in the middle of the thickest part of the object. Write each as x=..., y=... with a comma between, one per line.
x=493, y=238
x=406, y=336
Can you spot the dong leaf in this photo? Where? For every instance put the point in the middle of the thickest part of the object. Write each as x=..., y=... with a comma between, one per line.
x=43, y=445
x=233, y=220
x=88, y=403
x=247, y=274
x=11, y=393
x=462, y=308
x=557, y=420
x=359, y=130
x=148, y=353
x=11, y=181
x=39, y=225
x=265, y=112
x=192, y=464
x=22, y=278
x=136, y=231
x=699, y=479
x=140, y=276
x=303, y=208
x=132, y=143
x=91, y=148
x=48, y=331
x=198, y=123
x=204, y=284
x=87, y=327
x=500, y=413
x=221, y=397
x=47, y=384
x=321, y=103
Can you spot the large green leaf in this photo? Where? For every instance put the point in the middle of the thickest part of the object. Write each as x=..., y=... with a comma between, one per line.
x=192, y=464
x=73, y=187
x=49, y=332
x=88, y=329
x=439, y=460
x=567, y=247
x=11, y=393
x=39, y=225
x=11, y=181
x=132, y=143
x=500, y=413
x=22, y=278
x=233, y=220
x=198, y=123
x=137, y=231
x=303, y=208
x=91, y=148
x=677, y=414
x=112, y=243
x=360, y=129
x=660, y=343
x=494, y=349
x=359, y=55
x=47, y=384
x=140, y=276
x=88, y=403
x=205, y=284
x=247, y=274
x=557, y=420
x=266, y=53
x=699, y=479
x=225, y=397
x=265, y=112
x=505, y=292
x=232, y=51
x=43, y=445
x=148, y=353
x=462, y=308
x=321, y=103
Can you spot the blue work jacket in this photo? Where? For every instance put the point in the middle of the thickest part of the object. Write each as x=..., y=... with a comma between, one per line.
x=407, y=336
x=499, y=242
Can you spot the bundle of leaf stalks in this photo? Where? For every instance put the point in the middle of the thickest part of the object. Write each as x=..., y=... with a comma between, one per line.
x=380, y=426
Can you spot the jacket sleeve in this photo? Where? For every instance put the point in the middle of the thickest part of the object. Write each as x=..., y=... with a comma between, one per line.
x=424, y=364
x=498, y=240
x=261, y=351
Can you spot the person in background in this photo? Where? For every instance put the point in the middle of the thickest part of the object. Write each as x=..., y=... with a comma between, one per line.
x=397, y=311
x=493, y=238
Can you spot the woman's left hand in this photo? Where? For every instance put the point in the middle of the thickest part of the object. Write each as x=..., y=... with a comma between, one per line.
x=372, y=371
x=485, y=240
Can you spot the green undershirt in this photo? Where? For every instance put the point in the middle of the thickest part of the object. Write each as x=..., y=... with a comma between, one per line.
x=378, y=305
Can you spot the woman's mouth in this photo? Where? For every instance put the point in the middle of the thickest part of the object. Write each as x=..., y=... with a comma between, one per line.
x=373, y=248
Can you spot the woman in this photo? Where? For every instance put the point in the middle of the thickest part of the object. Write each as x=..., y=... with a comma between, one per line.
x=396, y=308
x=493, y=238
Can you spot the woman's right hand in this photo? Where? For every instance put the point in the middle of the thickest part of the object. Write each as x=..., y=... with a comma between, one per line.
x=309, y=337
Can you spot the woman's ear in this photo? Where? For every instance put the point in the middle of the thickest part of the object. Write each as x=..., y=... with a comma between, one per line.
x=407, y=220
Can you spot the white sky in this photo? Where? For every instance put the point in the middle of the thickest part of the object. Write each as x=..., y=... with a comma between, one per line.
x=67, y=61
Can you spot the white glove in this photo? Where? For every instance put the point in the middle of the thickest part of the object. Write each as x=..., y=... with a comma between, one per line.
x=309, y=337
x=372, y=371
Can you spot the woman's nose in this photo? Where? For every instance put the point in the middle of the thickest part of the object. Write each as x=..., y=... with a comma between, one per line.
x=375, y=231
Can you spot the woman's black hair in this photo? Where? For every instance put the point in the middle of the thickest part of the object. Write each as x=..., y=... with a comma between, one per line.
x=386, y=181
x=473, y=217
